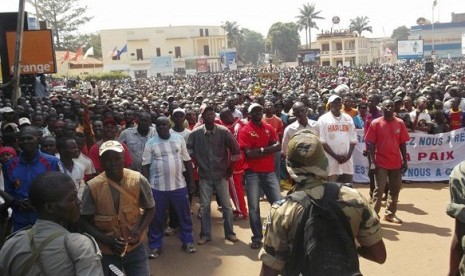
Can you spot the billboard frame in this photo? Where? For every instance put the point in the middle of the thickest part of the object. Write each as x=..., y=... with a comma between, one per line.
x=411, y=49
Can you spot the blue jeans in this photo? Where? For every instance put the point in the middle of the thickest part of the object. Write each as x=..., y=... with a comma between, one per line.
x=269, y=184
x=134, y=263
x=179, y=199
x=277, y=164
x=222, y=192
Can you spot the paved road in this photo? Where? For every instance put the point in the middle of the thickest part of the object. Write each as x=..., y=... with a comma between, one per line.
x=420, y=246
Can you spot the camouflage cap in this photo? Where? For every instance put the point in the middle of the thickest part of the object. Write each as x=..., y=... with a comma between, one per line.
x=306, y=157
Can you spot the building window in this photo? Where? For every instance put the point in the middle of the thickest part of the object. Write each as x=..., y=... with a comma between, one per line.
x=139, y=54
x=177, y=52
x=206, y=50
x=201, y=32
x=325, y=47
x=158, y=52
x=206, y=32
x=351, y=45
x=338, y=46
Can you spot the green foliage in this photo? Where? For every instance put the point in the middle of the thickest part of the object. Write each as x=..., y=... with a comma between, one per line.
x=399, y=33
x=65, y=17
x=233, y=33
x=360, y=24
x=251, y=46
x=106, y=76
x=98, y=76
x=284, y=41
x=306, y=20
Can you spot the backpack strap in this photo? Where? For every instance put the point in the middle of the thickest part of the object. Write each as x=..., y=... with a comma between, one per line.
x=332, y=190
x=301, y=197
x=37, y=251
x=296, y=255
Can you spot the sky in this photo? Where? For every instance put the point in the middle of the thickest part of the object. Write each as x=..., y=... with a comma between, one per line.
x=257, y=15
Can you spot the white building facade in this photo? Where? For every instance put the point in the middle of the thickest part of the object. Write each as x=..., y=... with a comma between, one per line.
x=143, y=52
x=342, y=47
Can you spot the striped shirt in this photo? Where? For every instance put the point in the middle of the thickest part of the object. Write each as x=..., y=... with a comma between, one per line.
x=166, y=162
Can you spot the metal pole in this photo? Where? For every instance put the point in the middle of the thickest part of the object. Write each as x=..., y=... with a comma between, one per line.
x=19, y=45
x=432, y=32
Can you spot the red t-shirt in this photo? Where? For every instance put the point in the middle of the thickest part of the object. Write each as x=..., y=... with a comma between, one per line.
x=455, y=119
x=93, y=155
x=275, y=122
x=253, y=136
x=387, y=136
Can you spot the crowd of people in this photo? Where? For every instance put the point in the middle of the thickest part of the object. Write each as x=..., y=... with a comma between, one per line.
x=156, y=144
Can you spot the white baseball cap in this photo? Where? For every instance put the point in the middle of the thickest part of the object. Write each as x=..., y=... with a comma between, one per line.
x=110, y=145
x=333, y=98
x=252, y=106
x=23, y=121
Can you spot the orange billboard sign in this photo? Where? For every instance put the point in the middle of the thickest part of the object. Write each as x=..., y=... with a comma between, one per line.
x=38, y=56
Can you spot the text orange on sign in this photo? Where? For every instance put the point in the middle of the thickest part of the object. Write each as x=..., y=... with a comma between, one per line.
x=38, y=56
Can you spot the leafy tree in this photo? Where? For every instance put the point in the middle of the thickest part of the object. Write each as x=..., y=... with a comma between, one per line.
x=360, y=24
x=284, y=40
x=233, y=33
x=306, y=20
x=64, y=16
x=251, y=46
x=399, y=33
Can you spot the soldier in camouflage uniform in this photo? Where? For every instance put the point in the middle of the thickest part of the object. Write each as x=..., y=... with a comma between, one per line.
x=456, y=209
x=307, y=165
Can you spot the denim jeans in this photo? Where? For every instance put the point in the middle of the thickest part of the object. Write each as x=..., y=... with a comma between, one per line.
x=277, y=164
x=134, y=263
x=267, y=182
x=222, y=192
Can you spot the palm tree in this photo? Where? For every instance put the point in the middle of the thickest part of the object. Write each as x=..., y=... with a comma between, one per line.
x=305, y=20
x=234, y=34
x=360, y=24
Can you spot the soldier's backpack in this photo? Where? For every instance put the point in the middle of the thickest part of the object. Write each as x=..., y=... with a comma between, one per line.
x=323, y=243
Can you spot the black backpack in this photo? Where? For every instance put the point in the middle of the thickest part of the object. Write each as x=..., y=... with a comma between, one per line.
x=323, y=243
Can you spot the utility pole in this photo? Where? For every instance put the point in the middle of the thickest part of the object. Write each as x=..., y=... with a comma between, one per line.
x=432, y=29
x=19, y=45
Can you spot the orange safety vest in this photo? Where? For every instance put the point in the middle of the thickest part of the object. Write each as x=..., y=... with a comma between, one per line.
x=106, y=219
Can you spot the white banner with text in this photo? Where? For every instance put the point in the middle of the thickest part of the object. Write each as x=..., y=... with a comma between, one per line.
x=430, y=157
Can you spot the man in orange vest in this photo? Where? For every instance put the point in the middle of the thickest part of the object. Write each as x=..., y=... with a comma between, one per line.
x=111, y=205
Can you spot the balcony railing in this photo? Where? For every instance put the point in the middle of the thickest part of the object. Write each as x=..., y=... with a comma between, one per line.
x=140, y=61
x=338, y=52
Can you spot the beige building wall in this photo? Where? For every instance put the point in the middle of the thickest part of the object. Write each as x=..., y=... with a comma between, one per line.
x=343, y=48
x=143, y=44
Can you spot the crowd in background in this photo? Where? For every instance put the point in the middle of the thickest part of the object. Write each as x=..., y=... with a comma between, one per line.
x=73, y=122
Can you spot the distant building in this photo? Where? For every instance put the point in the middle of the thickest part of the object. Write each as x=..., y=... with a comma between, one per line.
x=380, y=51
x=155, y=51
x=343, y=47
x=444, y=38
x=67, y=66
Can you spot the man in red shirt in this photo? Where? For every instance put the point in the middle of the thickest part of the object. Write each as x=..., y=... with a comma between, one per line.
x=386, y=137
x=236, y=190
x=259, y=141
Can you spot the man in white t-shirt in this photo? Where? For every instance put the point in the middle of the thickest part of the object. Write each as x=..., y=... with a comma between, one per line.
x=300, y=111
x=420, y=117
x=178, y=117
x=338, y=137
x=68, y=150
